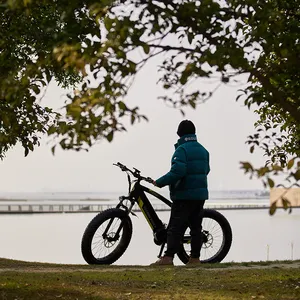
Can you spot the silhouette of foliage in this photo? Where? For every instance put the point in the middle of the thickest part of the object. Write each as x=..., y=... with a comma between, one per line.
x=91, y=46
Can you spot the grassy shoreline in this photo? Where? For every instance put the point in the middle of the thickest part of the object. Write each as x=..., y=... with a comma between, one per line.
x=253, y=280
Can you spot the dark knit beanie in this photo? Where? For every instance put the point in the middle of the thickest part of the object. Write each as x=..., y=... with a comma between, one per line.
x=186, y=127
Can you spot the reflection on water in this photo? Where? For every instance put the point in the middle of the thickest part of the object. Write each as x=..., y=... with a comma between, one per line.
x=57, y=237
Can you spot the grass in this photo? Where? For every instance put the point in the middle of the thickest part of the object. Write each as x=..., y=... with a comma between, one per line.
x=26, y=280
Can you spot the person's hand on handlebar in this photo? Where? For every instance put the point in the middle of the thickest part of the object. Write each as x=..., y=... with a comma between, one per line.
x=150, y=180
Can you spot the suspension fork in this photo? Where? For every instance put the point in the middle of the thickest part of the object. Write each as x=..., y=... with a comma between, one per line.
x=117, y=234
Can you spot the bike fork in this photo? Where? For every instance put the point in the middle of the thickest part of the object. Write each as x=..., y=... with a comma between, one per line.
x=116, y=237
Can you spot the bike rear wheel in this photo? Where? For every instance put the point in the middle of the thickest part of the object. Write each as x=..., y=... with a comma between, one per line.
x=216, y=235
x=100, y=242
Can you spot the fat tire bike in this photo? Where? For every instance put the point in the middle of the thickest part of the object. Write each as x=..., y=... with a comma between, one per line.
x=108, y=234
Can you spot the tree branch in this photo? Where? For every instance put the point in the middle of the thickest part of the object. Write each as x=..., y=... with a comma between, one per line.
x=170, y=48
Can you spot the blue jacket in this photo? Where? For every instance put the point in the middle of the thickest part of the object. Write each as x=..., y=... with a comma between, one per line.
x=187, y=178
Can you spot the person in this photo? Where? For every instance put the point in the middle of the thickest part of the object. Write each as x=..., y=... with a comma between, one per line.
x=187, y=181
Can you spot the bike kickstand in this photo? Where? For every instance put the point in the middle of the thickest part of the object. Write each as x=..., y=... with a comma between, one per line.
x=161, y=250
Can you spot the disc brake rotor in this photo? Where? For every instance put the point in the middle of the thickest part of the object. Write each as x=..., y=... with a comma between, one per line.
x=109, y=241
x=208, y=241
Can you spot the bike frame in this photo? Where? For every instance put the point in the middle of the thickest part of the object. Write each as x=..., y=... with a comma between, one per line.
x=139, y=195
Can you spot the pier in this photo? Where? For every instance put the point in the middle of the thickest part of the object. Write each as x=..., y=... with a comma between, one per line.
x=82, y=207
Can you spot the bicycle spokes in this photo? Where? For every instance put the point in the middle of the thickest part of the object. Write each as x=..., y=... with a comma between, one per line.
x=212, y=239
x=106, y=237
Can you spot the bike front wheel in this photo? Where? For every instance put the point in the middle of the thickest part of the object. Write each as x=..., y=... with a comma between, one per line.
x=106, y=237
x=216, y=239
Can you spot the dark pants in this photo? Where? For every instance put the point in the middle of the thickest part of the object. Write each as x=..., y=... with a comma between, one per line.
x=184, y=214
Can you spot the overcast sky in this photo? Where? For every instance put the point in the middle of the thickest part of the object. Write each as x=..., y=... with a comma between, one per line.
x=222, y=127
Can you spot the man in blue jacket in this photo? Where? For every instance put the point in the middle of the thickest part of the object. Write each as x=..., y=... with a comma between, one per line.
x=187, y=181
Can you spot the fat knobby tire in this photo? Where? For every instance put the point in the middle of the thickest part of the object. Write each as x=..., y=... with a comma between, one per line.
x=220, y=255
x=86, y=243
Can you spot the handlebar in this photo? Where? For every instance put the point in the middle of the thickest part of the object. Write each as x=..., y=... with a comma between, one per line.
x=136, y=173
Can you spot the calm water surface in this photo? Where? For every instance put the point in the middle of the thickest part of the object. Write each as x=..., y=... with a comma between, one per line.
x=56, y=238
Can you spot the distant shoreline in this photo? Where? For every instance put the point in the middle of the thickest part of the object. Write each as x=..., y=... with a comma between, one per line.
x=44, y=200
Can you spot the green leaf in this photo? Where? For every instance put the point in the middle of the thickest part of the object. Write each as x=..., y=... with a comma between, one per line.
x=252, y=149
x=30, y=146
x=183, y=79
x=53, y=150
x=51, y=130
x=271, y=183
x=263, y=171
x=247, y=166
x=122, y=105
x=63, y=143
x=290, y=163
x=273, y=208
x=110, y=136
x=146, y=48
x=277, y=168
x=286, y=203
x=35, y=88
x=132, y=119
x=74, y=110
x=26, y=151
x=192, y=104
x=190, y=37
x=108, y=23
x=297, y=174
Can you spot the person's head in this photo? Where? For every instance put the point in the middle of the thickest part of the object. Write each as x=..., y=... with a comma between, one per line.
x=186, y=127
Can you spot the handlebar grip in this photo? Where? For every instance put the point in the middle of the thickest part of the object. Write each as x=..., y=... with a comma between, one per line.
x=150, y=180
x=121, y=166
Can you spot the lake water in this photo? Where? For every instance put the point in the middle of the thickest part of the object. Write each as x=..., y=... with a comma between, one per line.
x=56, y=238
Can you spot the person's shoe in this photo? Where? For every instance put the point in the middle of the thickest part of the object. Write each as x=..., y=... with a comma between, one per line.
x=193, y=262
x=163, y=261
